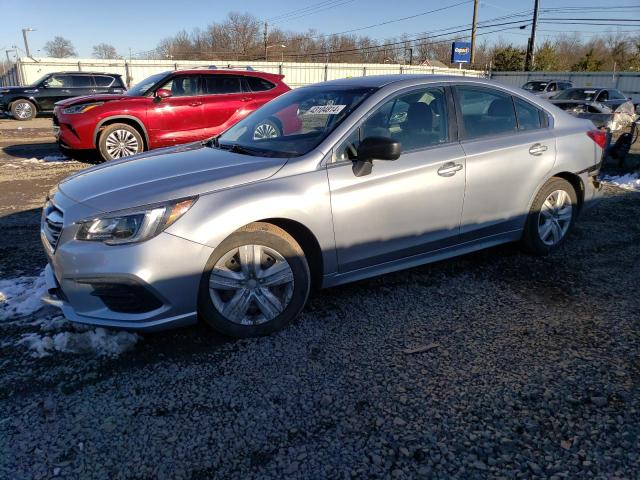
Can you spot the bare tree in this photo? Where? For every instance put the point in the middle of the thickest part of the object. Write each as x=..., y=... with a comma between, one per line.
x=104, y=51
x=60, y=47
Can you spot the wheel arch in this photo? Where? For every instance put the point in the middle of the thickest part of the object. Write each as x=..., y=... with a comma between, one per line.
x=577, y=184
x=126, y=119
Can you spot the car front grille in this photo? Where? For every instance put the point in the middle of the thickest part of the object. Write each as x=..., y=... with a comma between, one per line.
x=51, y=225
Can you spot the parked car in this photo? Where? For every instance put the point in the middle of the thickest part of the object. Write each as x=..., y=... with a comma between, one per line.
x=596, y=104
x=166, y=109
x=236, y=230
x=546, y=88
x=24, y=103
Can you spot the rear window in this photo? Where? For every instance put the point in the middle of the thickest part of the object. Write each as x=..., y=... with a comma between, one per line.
x=257, y=84
x=535, y=86
x=584, y=94
x=104, y=80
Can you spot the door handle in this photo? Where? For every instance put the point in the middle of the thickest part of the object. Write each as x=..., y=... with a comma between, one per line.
x=66, y=91
x=449, y=169
x=245, y=99
x=537, y=149
x=195, y=104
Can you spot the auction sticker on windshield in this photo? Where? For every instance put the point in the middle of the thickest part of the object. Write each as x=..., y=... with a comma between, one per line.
x=325, y=109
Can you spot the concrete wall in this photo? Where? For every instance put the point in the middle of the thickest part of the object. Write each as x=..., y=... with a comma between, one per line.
x=296, y=74
x=626, y=82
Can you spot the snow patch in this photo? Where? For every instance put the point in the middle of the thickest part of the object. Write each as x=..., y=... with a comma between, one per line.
x=21, y=296
x=630, y=181
x=49, y=159
x=98, y=341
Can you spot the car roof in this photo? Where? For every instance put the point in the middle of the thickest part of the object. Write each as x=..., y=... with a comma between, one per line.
x=86, y=73
x=400, y=80
x=225, y=71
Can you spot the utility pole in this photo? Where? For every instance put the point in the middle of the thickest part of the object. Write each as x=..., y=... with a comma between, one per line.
x=264, y=38
x=528, y=63
x=474, y=28
x=26, y=43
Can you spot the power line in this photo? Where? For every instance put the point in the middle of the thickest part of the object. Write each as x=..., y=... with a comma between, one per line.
x=303, y=9
x=312, y=12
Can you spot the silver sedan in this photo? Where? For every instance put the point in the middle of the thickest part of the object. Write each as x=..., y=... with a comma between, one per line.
x=360, y=177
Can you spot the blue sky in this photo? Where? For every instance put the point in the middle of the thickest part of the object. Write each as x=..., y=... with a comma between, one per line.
x=140, y=24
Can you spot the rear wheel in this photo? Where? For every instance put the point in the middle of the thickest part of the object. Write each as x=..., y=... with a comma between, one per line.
x=551, y=217
x=255, y=282
x=23, y=110
x=119, y=140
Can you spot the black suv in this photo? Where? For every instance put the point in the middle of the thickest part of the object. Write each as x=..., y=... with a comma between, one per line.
x=39, y=97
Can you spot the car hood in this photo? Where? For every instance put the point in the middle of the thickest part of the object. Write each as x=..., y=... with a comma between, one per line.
x=92, y=98
x=165, y=174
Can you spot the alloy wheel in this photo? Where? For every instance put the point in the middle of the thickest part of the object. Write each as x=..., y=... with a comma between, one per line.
x=122, y=143
x=23, y=110
x=265, y=130
x=251, y=284
x=555, y=217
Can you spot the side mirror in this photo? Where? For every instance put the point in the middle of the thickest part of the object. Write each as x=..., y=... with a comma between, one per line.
x=375, y=148
x=163, y=93
x=378, y=148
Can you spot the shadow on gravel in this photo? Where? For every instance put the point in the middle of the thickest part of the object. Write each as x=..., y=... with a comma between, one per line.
x=30, y=150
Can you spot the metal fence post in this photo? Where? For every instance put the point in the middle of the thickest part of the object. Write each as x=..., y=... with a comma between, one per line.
x=400, y=69
x=364, y=71
x=326, y=72
x=79, y=66
x=280, y=69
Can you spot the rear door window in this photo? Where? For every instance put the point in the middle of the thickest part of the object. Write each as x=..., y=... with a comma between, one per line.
x=529, y=116
x=485, y=112
x=221, y=84
x=616, y=95
x=81, y=81
x=59, y=81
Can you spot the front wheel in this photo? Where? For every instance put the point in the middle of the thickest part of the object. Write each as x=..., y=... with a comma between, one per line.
x=119, y=140
x=23, y=110
x=551, y=217
x=255, y=282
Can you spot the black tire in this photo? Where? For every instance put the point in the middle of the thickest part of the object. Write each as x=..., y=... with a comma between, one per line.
x=104, y=135
x=23, y=110
x=531, y=240
x=270, y=125
x=272, y=237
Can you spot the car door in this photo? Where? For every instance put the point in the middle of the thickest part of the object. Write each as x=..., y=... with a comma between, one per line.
x=55, y=88
x=178, y=118
x=405, y=207
x=224, y=101
x=509, y=149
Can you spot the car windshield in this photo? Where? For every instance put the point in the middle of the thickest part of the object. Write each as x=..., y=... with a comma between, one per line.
x=38, y=82
x=140, y=89
x=535, y=86
x=295, y=123
x=583, y=94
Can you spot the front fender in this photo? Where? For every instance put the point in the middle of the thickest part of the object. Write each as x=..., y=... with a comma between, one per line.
x=302, y=198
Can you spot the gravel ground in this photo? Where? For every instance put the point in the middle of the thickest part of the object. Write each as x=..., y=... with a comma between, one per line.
x=491, y=365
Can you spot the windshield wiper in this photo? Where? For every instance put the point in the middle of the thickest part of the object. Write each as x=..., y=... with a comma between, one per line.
x=237, y=148
x=211, y=142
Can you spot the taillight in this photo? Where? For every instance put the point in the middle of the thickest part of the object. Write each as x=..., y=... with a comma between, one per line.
x=598, y=136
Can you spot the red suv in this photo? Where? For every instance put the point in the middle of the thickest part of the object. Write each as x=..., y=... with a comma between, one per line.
x=166, y=109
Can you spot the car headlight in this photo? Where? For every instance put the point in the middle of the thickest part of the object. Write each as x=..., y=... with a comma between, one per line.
x=133, y=225
x=83, y=107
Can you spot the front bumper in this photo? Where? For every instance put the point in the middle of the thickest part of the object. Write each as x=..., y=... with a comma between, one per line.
x=165, y=271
